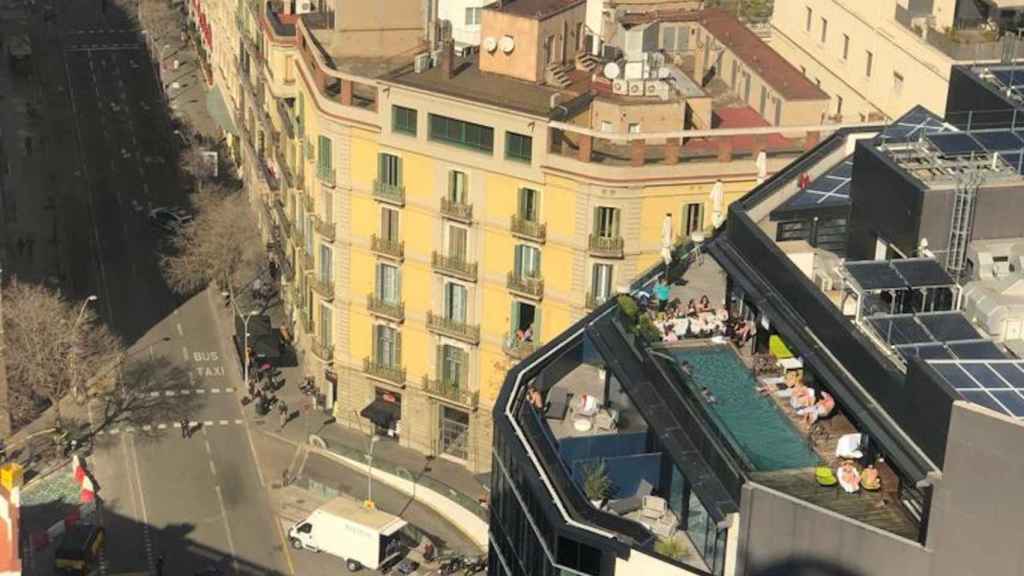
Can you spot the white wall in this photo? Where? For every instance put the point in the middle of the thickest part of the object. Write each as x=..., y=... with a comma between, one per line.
x=455, y=12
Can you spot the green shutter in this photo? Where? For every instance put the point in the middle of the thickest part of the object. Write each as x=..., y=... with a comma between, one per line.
x=536, y=325
x=514, y=315
x=615, y=222
x=597, y=221
x=518, y=264
x=380, y=167
x=440, y=363
x=398, y=349
x=398, y=169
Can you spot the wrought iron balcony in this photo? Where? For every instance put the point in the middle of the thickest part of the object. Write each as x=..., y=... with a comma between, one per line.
x=452, y=392
x=326, y=177
x=393, y=374
x=307, y=203
x=594, y=300
x=529, y=286
x=516, y=348
x=389, y=193
x=469, y=333
x=387, y=247
x=286, y=114
x=529, y=229
x=461, y=211
x=606, y=246
x=324, y=228
x=390, y=310
x=322, y=286
x=307, y=324
x=307, y=261
x=456, y=266
x=324, y=352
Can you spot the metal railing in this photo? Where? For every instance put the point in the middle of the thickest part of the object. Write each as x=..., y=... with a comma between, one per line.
x=387, y=247
x=526, y=285
x=324, y=228
x=394, y=374
x=307, y=203
x=326, y=177
x=322, y=351
x=307, y=261
x=594, y=300
x=456, y=266
x=390, y=310
x=528, y=229
x=390, y=193
x=452, y=391
x=287, y=122
x=516, y=348
x=322, y=286
x=606, y=246
x=460, y=211
x=460, y=330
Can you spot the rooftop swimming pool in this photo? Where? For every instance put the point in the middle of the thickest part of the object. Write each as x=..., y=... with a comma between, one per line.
x=754, y=423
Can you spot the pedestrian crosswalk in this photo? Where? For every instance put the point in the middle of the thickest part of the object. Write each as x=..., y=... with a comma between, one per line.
x=104, y=47
x=189, y=392
x=170, y=426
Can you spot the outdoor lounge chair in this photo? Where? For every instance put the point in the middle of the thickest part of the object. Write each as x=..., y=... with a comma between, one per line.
x=558, y=403
x=825, y=477
x=624, y=506
x=654, y=507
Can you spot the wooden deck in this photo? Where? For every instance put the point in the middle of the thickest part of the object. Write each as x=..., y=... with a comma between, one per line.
x=878, y=509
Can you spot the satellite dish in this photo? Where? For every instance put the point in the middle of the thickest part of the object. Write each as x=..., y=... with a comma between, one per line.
x=612, y=70
x=490, y=44
x=507, y=44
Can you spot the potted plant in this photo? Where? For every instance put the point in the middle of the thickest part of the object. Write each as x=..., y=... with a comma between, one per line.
x=671, y=548
x=596, y=484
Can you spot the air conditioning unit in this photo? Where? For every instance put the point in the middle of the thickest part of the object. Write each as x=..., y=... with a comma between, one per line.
x=421, y=63
x=304, y=7
x=636, y=88
x=651, y=88
x=620, y=86
x=662, y=90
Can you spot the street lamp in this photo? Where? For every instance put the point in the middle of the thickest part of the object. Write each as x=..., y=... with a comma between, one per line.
x=74, y=342
x=369, y=504
x=245, y=343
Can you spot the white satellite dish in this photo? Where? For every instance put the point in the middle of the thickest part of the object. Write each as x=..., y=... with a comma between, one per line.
x=507, y=44
x=490, y=44
x=612, y=70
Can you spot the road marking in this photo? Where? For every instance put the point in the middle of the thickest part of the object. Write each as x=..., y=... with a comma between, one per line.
x=215, y=390
x=142, y=502
x=185, y=392
x=147, y=427
x=180, y=333
x=238, y=421
x=169, y=393
x=287, y=554
x=227, y=529
x=161, y=426
x=213, y=469
x=224, y=422
x=208, y=423
x=154, y=394
x=184, y=353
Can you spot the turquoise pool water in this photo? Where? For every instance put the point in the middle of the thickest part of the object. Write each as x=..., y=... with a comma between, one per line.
x=756, y=425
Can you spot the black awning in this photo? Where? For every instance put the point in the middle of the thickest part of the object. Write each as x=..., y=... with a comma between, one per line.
x=265, y=341
x=382, y=413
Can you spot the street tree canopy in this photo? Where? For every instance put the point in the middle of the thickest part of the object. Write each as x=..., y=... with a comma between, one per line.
x=220, y=246
x=53, y=345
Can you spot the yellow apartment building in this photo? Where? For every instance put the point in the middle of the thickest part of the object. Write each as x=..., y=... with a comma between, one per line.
x=438, y=217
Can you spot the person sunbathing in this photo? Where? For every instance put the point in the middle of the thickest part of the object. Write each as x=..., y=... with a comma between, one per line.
x=745, y=332
x=691, y=308
x=785, y=391
x=869, y=479
x=820, y=409
x=802, y=397
x=705, y=304
x=848, y=476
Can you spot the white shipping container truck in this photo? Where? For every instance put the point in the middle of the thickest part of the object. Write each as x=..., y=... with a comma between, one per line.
x=345, y=528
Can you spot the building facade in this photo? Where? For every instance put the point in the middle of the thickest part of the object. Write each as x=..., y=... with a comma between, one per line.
x=438, y=216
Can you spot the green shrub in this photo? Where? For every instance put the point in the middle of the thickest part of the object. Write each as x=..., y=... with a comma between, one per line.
x=671, y=548
x=648, y=331
x=596, y=484
x=628, y=306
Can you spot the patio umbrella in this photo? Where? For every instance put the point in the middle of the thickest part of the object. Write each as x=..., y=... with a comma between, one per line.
x=762, y=166
x=717, y=203
x=666, y=239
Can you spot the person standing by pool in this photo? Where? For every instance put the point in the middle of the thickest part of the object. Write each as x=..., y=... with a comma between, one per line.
x=661, y=293
x=708, y=396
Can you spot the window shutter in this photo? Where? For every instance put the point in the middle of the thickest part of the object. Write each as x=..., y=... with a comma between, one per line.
x=522, y=204
x=535, y=268
x=381, y=175
x=536, y=325
x=615, y=223
x=598, y=231
x=514, y=315
x=459, y=304
x=397, y=360
x=519, y=257
x=375, y=343
x=379, y=287
x=398, y=171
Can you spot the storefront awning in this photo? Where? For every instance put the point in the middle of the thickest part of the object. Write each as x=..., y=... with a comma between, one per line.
x=218, y=110
x=382, y=413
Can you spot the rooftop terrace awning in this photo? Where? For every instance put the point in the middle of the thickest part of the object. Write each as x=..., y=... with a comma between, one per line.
x=218, y=110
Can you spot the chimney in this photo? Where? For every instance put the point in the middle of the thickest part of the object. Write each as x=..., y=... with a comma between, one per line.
x=448, y=59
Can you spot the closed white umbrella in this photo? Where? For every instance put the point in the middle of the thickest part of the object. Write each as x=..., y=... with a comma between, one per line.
x=717, y=204
x=666, y=238
x=762, y=166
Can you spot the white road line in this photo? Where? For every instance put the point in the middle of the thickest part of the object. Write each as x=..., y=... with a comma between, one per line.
x=177, y=424
x=199, y=390
x=180, y=333
x=147, y=427
x=214, y=390
x=213, y=469
x=142, y=502
x=191, y=378
x=184, y=392
x=227, y=529
x=154, y=394
x=169, y=393
x=207, y=423
x=224, y=422
x=150, y=352
x=238, y=421
x=184, y=353
x=114, y=431
x=161, y=426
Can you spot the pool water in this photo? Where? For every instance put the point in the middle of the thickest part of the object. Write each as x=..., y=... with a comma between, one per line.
x=765, y=435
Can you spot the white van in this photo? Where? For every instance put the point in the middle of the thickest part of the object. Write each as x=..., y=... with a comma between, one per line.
x=345, y=528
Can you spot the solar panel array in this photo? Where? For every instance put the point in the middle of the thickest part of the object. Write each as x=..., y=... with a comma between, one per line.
x=934, y=335
x=830, y=189
x=874, y=275
x=1008, y=144
x=995, y=384
x=913, y=125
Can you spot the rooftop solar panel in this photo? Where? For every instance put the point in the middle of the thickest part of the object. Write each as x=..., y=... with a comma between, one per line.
x=984, y=376
x=933, y=351
x=913, y=125
x=830, y=189
x=1011, y=372
x=876, y=275
x=982, y=398
x=898, y=330
x=980, y=350
x=955, y=144
x=1014, y=159
x=995, y=384
x=949, y=326
x=923, y=272
x=1010, y=78
x=999, y=140
x=1011, y=399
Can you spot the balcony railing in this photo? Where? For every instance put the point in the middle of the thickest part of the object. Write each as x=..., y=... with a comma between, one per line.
x=526, y=285
x=606, y=246
x=387, y=247
x=469, y=333
x=390, y=310
x=456, y=266
x=286, y=114
x=389, y=193
x=307, y=203
x=325, y=352
x=283, y=31
x=307, y=261
x=307, y=324
x=326, y=177
x=393, y=374
x=324, y=228
x=452, y=392
x=529, y=229
x=516, y=348
x=322, y=286
x=460, y=211
x=298, y=236
x=594, y=300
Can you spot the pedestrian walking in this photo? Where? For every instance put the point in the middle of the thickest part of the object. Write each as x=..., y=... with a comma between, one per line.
x=273, y=269
x=186, y=428
x=284, y=414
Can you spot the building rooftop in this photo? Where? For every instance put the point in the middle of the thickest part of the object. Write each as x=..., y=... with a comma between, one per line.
x=538, y=9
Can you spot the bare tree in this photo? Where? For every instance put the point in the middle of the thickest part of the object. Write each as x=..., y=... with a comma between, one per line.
x=221, y=246
x=55, y=347
x=198, y=166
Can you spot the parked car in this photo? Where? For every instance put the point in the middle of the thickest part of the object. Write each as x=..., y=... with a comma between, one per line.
x=169, y=219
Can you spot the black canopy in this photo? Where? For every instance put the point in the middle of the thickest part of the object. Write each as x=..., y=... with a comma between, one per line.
x=265, y=341
x=382, y=413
